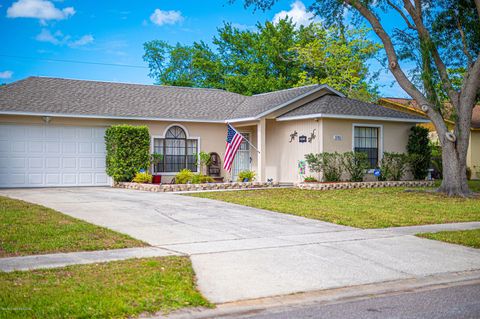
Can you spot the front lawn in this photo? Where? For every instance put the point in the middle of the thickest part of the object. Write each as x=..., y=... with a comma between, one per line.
x=364, y=208
x=469, y=238
x=27, y=229
x=117, y=289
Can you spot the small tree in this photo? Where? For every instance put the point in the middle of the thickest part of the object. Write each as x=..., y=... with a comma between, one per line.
x=355, y=163
x=419, y=152
x=203, y=159
x=128, y=151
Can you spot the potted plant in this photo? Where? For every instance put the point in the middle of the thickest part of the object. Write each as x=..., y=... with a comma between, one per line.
x=155, y=159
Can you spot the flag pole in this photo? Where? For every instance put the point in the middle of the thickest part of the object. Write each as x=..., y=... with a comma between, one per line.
x=244, y=137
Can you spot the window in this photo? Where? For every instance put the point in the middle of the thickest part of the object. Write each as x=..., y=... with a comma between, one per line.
x=178, y=151
x=366, y=141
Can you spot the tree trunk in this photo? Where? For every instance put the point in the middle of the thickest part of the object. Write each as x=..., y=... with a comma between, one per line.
x=454, y=181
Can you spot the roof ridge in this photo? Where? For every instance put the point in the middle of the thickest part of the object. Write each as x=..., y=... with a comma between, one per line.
x=283, y=90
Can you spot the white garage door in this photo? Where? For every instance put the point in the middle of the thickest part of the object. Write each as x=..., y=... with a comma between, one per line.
x=48, y=155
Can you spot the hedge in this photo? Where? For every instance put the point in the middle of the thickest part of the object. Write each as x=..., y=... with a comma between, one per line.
x=128, y=151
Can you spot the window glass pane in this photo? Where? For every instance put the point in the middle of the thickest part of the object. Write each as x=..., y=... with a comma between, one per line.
x=366, y=140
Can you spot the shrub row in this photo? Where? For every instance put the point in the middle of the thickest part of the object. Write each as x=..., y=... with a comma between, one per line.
x=333, y=166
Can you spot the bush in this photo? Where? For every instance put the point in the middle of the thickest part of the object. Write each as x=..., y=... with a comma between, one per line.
x=184, y=176
x=436, y=160
x=310, y=179
x=203, y=160
x=143, y=177
x=201, y=179
x=355, y=163
x=246, y=175
x=469, y=173
x=330, y=164
x=393, y=166
x=128, y=151
x=419, y=152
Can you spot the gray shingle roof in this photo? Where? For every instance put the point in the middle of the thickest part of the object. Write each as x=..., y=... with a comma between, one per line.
x=64, y=96
x=337, y=105
x=257, y=104
x=43, y=95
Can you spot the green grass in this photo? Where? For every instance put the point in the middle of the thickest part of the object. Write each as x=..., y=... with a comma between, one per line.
x=469, y=238
x=473, y=184
x=364, y=208
x=27, y=229
x=117, y=289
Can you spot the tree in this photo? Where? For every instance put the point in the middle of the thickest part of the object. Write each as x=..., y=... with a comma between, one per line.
x=445, y=35
x=274, y=56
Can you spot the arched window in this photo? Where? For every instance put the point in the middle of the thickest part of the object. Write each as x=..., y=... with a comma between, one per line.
x=177, y=151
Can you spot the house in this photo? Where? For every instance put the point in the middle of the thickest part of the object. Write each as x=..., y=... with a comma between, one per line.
x=473, y=155
x=52, y=129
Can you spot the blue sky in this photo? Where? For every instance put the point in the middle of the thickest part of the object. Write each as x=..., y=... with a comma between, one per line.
x=113, y=32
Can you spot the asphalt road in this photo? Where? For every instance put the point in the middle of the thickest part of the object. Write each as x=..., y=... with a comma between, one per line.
x=454, y=302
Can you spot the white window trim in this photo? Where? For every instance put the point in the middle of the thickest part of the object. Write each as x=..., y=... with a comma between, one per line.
x=380, y=139
x=188, y=137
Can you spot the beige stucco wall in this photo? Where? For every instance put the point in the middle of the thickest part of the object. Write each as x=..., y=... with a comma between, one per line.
x=473, y=156
x=283, y=157
x=212, y=135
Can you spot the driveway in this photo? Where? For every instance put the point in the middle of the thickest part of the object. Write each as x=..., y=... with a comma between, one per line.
x=244, y=253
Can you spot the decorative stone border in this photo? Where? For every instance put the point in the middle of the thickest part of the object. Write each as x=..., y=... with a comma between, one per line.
x=350, y=185
x=193, y=187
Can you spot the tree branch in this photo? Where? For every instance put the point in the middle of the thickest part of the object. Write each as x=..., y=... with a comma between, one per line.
x=464, y=42
x=424, y=34
x=396, y=8
x=477, y=4
x=397, y=72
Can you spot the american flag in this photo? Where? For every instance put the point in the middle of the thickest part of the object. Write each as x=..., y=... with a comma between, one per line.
x=234, y=139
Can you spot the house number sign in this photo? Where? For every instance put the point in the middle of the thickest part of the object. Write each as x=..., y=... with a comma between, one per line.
x=302, y=139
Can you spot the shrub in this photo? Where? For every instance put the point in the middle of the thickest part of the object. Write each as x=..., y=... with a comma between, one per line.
x=128, y=151
x=355, y=163
x=330, y=164
x=436, y=160
x=201, y=179
x=393, y=166
x=310, y=179
x=469, y=173
x=419, y=152
x=143, y=177
x=247, y=175
x=184, y=176
x=203, y=159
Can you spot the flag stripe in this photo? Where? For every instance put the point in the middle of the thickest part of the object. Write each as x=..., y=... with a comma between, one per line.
x=234, y=139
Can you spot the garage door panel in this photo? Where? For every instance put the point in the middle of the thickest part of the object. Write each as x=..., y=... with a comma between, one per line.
x=48, y=155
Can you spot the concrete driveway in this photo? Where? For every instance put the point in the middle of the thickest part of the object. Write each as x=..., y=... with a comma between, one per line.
x=244, y=253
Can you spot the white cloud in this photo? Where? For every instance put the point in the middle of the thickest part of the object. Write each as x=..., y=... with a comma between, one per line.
x=38, y=9
x=160, y=17
x=86, y=39
x=298, y=13
x=6, y=75
x=58, y=38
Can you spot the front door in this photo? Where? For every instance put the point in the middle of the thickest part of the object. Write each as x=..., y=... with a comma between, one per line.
x=241, y=162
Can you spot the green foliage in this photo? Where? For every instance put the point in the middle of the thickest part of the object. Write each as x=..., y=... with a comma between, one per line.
x=203, y=160
x=393, y=166
x=274, y=56
x=329, y=164
x=144, y=177
x=128, y=151
x=246, y=175
x=310, y=179
x=201, y=179
x=419, y=151
x=355, y=163
x=469, y=173
x=184, y=176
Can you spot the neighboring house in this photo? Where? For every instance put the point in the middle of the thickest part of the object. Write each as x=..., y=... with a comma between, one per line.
x=52, y=130
x=473, y=155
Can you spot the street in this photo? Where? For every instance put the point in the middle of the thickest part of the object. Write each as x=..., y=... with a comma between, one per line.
x=444, y=303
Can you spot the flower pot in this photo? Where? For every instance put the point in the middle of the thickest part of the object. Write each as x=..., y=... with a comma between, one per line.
x=157, y=179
